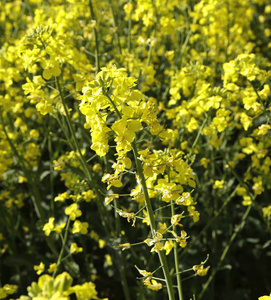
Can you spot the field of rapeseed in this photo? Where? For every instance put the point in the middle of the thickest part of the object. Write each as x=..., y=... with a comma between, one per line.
x=135, y=149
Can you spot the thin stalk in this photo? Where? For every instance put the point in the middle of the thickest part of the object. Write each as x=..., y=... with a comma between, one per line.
x=93, y=17
x=161, y=254
x=122, y=268
x=189, y=34
x=237, y=230
x=196, y=139
x=52, y=206
x=176, y=259
x=199, y=133
x=60, y=257
x=114, y=105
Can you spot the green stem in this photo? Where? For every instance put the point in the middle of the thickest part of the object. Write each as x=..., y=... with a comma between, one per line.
x=161, y=254
x=97, y=59
x=59, y=260
x=176, y=259
x=50, y=149
x=114, y=105
x=199, y=133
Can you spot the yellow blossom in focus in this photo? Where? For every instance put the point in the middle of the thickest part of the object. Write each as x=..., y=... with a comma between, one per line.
x=50, y=226
x=80, y=227
x=73, y=211
x=169, y=245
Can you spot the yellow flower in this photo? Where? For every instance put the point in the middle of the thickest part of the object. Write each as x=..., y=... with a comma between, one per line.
x=168, y=246
x=7, y=289
x=88, y=195
x=129, y=216
x=147, y=275
x=39, y=268
x=52, y=268
x=75, y=249
x=265, y=297
x=97, y=168
x=263, y=129
x=94, y=235
x=102, y=243
x=193, y=213
x=110, y=198
x=108, y=260
x=204, y=162
x=155, y=242
x=73, y=211
x=125, y=246
x=192, y=125
x=62, y=197
x=154, y=285
x=85, y=291
x=176, y=219
x=218, y=184
x=146, y=217
x=200, y=270
x=180, y=239
x=247, y=200
x=246, y=121
x=80, y=227
x=48, y=227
